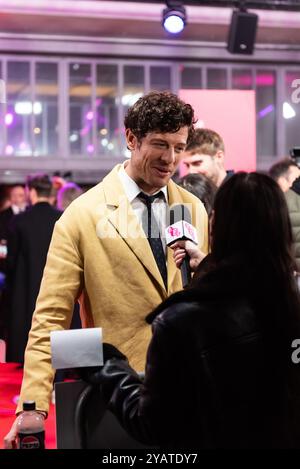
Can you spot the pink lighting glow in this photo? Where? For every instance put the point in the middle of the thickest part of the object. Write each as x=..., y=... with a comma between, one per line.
x=23, y=146
x=9, y=118
x=84, y=131
x=9, y=149
x=90, y=148
x=90, y=115
x=266, y=79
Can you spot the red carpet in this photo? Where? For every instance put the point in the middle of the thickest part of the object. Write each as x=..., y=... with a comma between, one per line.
x=10, y=384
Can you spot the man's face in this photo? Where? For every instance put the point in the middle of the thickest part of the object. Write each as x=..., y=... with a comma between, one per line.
x=200, y=163
x=155, y=158
x=17, y=196
x=294, y=173
x=286, y=181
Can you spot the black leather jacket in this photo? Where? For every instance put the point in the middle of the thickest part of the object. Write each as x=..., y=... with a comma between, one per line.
x=211, y=381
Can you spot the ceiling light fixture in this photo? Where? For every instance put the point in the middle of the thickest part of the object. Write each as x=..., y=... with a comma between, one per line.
x=174, y=17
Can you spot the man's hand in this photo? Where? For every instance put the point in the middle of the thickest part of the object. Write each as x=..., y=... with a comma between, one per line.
x=10, y=440
x=181, y=248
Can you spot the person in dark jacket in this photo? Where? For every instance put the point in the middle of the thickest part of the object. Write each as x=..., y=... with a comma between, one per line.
x=287, y=174
x=28, y=242
x=219, y=372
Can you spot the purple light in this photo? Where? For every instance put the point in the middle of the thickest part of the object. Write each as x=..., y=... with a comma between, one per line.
x=90, y=148
x=265, y=111
x=89, y=116
x=9, y=118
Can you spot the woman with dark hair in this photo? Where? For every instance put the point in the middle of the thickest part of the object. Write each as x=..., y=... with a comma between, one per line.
x=219, y=371
x=201, y=187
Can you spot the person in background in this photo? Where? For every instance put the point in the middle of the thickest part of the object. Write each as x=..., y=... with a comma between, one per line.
x=17, y=204
x=201, y=187
x=205, y=155
x=220, y=355
x=28, y=242
x=4, y=197
x=57, y=183
x=103, y=253
x=286, y=173
x=66, y=194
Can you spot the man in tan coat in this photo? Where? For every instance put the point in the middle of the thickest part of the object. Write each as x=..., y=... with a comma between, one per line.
x=100, y=254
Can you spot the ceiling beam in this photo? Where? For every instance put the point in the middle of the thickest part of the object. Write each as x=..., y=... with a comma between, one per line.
x=287, y=5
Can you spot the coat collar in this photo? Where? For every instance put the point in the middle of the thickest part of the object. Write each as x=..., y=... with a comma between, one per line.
x=123, y=219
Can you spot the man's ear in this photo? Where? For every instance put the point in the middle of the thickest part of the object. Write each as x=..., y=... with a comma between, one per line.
x=220, y=156
x=131, y=140
x=283, y=184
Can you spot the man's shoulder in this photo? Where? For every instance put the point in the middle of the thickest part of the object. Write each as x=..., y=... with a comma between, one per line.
x=293, y=201
x=292, y=196
x=6, y=213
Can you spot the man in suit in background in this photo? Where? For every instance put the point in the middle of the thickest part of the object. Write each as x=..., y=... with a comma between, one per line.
x=28, y=242
x=100, y=252
x=205, y=155
x=17, y=204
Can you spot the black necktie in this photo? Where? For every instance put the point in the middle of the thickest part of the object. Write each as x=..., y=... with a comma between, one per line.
x=152, y=232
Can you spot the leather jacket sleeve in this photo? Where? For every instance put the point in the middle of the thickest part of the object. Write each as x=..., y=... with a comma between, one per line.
x=146, y=408
x=121, y=388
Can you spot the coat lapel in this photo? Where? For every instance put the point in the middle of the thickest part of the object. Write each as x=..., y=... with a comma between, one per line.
x=123, y=219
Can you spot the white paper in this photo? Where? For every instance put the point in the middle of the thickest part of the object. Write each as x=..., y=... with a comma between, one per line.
x=76, y=348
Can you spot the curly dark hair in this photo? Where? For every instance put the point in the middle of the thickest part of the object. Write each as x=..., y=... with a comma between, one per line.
x=159, y=112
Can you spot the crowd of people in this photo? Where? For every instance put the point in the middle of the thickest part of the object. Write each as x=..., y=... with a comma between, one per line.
x=219, y=356
x=26, y=226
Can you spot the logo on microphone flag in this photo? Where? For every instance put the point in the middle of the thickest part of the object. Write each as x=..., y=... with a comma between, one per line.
x=180, y=230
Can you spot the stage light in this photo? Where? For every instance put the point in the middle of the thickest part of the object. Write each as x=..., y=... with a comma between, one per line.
x=174, y=17
x=287, y=111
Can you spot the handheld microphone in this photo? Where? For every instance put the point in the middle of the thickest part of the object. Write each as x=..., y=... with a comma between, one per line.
x=181, y=229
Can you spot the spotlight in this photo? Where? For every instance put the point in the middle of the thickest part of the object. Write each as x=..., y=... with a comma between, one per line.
x=174, y=16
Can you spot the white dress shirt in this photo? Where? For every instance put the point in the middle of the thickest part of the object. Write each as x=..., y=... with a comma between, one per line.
x=16, y=210
x=159, y=205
